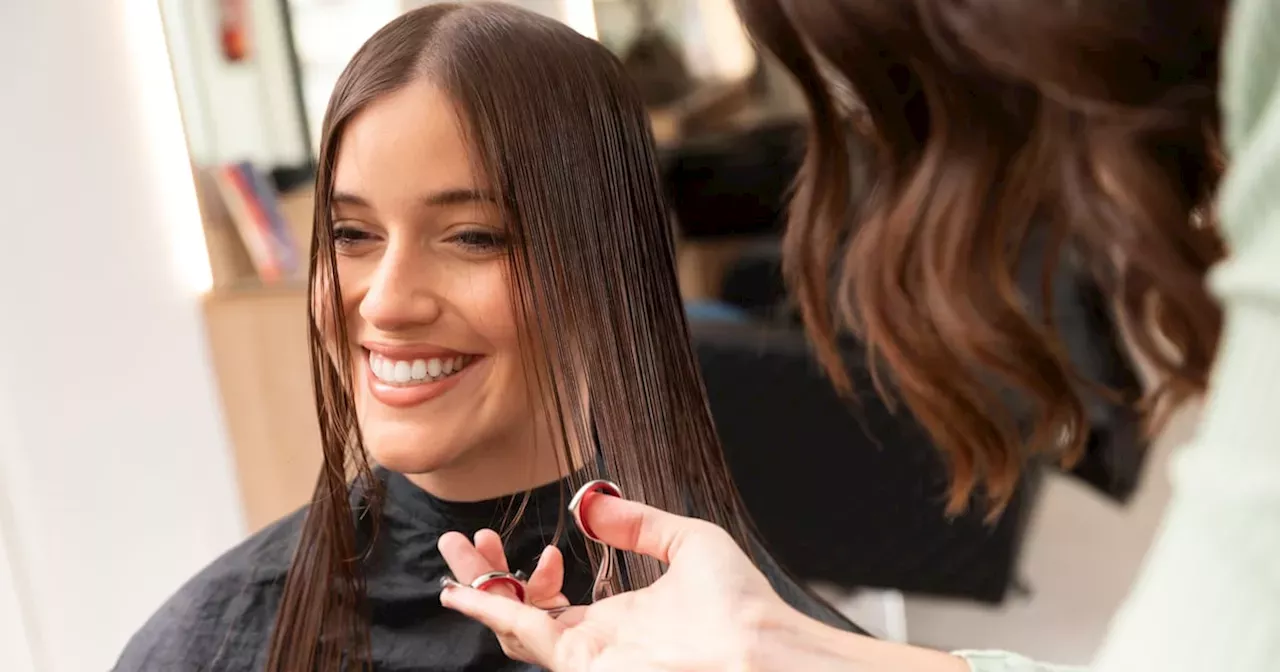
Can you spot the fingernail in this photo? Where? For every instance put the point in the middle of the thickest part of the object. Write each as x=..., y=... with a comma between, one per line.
x=447, y=582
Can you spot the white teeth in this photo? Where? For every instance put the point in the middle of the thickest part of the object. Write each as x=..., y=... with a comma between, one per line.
x=417, y=371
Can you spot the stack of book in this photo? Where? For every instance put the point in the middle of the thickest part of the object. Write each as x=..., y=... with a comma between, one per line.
x=245, y=227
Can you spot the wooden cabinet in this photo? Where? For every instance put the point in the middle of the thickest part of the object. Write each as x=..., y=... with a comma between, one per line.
x=258, y=342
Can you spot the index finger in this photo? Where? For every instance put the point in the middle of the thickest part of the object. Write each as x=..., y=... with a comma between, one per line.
x=537, y=632
x=632, y=526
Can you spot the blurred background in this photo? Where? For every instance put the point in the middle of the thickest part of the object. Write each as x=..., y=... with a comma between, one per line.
x=155, y=402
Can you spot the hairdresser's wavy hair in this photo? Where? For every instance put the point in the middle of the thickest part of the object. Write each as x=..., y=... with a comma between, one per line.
x=564, y=139
x=978, y=119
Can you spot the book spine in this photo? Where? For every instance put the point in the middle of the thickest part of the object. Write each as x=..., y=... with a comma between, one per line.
x=285, y=245
x=249, y=221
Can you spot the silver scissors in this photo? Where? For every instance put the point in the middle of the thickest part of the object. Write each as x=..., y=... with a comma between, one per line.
x=603, y=586
x=518, y=582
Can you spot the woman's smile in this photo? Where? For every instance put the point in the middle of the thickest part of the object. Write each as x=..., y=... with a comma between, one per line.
x=403, y=377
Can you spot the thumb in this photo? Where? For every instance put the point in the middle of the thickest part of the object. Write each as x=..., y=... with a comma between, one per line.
x=632, y=526
x=537, y=633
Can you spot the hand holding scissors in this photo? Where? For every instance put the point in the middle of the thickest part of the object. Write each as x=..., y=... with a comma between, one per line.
x=483, y=566
x=704, y=613
x=712, y=610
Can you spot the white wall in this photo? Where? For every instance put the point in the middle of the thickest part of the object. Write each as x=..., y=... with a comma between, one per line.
x=17, y=648
x=115, y=482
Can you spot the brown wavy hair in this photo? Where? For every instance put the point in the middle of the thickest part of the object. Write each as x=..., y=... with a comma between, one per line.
x=942, y=131
x=560, y=131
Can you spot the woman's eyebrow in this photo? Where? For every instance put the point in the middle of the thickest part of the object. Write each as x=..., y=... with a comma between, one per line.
x=457, y=197
x=348, y=198
x=443, y=197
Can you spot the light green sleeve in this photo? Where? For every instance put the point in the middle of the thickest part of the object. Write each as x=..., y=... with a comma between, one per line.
x=1208, y=598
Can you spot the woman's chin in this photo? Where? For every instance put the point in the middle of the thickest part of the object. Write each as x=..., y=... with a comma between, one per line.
x=408, y=457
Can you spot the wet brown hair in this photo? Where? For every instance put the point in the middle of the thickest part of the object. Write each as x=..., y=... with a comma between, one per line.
x=564, y=140
x=971, y=122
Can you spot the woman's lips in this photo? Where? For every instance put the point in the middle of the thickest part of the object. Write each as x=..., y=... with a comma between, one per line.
x=402, y=383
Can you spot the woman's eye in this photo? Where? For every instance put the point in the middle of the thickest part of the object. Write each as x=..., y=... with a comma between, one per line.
x=344, y=235
x=479, y=240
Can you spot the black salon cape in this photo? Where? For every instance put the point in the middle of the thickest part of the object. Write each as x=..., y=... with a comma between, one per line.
x=221, y=620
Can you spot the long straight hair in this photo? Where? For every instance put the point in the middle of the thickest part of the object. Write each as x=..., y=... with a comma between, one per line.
x=563, y=138
x=1096, y=119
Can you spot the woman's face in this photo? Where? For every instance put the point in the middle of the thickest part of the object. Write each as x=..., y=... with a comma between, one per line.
x=422, y=258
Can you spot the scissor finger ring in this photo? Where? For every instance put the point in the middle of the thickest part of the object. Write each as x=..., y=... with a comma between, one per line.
x=575, y=505
x=516, y=581
x=603, y=585
x=491, y=579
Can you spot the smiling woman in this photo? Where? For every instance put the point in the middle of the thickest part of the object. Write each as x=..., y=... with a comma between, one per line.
x=422, y=256
x=495, y=321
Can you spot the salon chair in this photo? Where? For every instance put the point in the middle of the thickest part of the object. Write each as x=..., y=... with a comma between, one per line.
x=846, y=494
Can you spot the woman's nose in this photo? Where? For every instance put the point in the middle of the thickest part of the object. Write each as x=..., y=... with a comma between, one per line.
x=400, y=294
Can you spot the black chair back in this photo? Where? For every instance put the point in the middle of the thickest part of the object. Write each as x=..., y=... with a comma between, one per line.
x=853, y=496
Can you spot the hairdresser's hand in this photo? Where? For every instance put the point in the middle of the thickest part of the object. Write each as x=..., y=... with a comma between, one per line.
x=702, y=614
x=468, y=561
x=712, y=610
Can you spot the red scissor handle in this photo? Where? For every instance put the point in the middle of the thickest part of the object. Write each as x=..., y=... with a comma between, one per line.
x=600, y=487
x=487, y=581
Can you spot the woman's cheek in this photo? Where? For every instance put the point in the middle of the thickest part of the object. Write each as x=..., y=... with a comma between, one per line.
x=488, y=300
